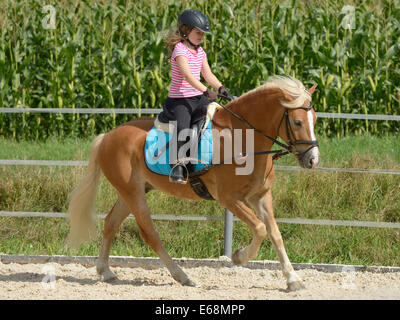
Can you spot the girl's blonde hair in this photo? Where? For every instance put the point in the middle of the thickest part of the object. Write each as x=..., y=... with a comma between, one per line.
x=173, y=37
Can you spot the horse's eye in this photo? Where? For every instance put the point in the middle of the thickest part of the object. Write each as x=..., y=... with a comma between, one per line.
x=298, y=123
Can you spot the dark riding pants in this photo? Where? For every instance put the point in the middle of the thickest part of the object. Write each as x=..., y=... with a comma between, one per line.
x=184, y=110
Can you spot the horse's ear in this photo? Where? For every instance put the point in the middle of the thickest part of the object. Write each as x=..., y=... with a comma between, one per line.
x=312, y=89
x=287, y=96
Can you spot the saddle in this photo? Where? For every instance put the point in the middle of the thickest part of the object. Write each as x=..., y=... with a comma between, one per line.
x=196, y=132
x=158, y=143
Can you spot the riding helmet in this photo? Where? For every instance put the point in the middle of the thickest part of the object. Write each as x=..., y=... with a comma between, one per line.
x=193, y=19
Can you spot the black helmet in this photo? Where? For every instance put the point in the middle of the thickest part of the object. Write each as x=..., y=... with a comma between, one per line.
x=193, y=19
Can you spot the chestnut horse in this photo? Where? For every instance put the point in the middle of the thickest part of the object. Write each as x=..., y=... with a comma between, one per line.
x=281, y=107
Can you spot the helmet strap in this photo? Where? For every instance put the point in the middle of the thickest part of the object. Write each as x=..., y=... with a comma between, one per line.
x=187, y=39
x=196, y=46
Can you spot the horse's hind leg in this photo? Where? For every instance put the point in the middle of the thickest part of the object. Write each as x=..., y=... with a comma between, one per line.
x=111, y=224
x=135, y=198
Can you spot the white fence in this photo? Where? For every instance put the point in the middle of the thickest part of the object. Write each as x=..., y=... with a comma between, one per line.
x=228, y=216
x=155, y=111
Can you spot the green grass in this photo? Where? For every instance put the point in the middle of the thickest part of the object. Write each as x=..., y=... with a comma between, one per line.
x=52, y=149
x=314, y=195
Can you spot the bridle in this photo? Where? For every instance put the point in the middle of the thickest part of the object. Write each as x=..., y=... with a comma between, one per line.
x=288, y=148
x=290, y=134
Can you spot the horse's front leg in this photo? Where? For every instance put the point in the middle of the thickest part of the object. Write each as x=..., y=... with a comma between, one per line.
x=241, y=210
x=264, y=210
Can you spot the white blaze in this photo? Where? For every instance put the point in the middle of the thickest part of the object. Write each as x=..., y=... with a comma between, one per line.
x=314, y=150
x=311, y=124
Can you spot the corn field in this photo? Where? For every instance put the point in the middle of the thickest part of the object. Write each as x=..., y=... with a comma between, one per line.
x=110, y=54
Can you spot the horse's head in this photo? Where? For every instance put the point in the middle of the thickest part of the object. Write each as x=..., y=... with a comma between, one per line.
x=297, y=129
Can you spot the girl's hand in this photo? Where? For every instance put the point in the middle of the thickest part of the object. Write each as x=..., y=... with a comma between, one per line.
x=224, y=92
x=210, y=95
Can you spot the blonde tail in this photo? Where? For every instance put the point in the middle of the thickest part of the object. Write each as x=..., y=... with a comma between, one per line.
x=81, y=210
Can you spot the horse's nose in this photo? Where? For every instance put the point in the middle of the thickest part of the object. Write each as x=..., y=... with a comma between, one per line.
x=314, y=161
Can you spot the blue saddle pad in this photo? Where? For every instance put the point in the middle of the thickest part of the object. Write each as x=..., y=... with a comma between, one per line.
x=157, y=156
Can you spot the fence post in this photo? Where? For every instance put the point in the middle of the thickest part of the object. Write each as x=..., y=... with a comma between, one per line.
x=228, y=233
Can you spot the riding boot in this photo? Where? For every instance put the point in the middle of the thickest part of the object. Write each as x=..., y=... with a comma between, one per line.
x=178, y=169
x=177, y=174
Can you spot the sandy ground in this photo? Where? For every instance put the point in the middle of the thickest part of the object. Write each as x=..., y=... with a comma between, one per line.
x=74, y=281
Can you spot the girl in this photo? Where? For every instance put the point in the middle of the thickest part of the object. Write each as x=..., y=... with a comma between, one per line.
x=188, y=98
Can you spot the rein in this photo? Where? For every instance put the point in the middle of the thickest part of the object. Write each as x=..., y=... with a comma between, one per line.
x=277, y=153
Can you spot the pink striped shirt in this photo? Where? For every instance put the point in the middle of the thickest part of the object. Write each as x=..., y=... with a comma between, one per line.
x=180, y=88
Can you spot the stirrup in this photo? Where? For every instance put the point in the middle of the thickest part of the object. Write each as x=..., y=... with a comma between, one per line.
x=184, y=181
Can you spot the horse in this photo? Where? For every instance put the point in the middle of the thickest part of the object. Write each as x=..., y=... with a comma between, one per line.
x=281, y=107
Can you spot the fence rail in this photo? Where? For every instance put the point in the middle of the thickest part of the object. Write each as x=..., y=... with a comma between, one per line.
x=71, y=163
x=172, y=217
x=156, y=111
x=79, y=110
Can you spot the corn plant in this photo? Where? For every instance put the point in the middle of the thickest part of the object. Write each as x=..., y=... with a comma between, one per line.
x=110, y=54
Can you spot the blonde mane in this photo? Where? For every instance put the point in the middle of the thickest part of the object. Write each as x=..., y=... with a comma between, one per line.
x=288, y=84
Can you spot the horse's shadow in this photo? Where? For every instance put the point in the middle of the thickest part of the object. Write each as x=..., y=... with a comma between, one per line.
x=40, y=277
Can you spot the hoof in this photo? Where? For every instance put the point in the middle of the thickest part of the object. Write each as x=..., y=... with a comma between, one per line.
x=188, y=283
x=295, y=286
x=111, y=280
x=183, y=279
x=109, y=277
x=235, y=257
